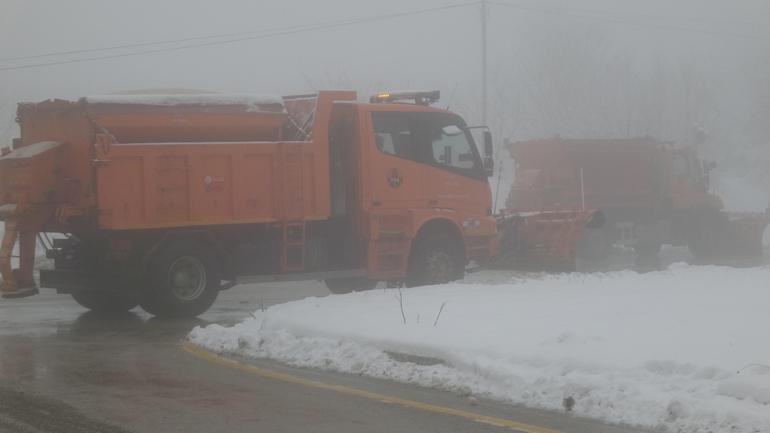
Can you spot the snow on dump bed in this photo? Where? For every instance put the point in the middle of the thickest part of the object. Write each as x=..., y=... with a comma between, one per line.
x=685, y=349
x=257, y=102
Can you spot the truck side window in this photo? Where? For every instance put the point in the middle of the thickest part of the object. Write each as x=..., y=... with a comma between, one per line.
x=438, y=139
x=392, y=133
x=450, y=146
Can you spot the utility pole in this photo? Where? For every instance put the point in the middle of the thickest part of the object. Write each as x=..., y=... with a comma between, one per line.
x=484, y=62
x=483, y=4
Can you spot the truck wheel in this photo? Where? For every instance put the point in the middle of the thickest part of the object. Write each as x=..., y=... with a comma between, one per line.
x=104, y=301
x=184, y=281
x=647, y=256
x=435, y=259
x=647, y=250
x=595, y=245
x=346, y=285
x=707, y=237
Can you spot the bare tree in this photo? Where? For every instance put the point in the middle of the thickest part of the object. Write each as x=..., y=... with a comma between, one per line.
x=759, y=91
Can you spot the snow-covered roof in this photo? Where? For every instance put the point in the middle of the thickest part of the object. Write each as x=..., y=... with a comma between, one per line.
x=257, y=102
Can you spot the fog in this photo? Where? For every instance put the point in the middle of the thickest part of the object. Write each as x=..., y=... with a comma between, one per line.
x=589, y=68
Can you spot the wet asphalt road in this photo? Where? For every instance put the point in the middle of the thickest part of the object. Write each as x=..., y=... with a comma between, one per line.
x=66, y=370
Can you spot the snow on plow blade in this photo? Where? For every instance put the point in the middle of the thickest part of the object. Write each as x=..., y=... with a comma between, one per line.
x=544, y=240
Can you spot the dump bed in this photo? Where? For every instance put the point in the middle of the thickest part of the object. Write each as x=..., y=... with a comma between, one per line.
x=137, y=162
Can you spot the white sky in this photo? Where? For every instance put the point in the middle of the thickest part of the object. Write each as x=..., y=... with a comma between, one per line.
x=438, y=50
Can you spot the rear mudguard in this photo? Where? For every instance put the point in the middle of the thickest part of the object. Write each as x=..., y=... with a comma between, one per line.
x=543, y=240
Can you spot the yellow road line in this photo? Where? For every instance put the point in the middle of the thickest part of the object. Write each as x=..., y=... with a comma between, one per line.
x=411, y=404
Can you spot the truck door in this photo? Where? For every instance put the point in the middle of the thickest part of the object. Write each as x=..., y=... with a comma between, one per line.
x=456, y=178
x=425, y=160
x=397, y=179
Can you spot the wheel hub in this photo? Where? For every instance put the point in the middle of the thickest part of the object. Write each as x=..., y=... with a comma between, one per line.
x=439, y=267
x=187, y=276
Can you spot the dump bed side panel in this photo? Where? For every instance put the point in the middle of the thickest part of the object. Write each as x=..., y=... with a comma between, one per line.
x=137, y=124
x=173, y=185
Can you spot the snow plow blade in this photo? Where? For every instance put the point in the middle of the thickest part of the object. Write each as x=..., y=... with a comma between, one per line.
x=746, y=232
x=542, y=241
x=735, y=240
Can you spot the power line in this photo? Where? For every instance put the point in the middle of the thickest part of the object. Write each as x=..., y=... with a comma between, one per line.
x=131, y=45
x=264, y=34
x=168, y=41
x=255, y=35
x=608, y=16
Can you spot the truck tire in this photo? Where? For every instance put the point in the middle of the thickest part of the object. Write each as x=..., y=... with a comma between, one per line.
x=647, y=256
x=435, y=259
x=340, y=286
x=594, y=247
x=184, y=281
x=648, y=250
x=104, y=301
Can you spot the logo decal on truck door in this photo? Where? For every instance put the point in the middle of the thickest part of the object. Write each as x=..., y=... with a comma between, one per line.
x=213, y=183
x=394, y=178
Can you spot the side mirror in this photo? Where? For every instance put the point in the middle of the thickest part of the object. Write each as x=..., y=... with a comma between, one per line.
x=708, y=166
x=489, y=162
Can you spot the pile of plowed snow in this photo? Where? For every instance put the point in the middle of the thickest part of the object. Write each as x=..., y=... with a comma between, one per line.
x=685, y=349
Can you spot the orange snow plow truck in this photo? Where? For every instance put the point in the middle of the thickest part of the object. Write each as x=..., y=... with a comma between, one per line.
x=649, y=193
x=164, y=200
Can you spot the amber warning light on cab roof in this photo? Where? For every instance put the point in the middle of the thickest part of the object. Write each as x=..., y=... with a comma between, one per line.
x=420, y=98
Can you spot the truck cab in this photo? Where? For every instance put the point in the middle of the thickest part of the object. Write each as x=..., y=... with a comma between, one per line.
x=414, y=185
x=689, y=179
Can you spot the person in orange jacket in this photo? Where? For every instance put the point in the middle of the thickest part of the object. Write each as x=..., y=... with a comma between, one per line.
x=17, y=283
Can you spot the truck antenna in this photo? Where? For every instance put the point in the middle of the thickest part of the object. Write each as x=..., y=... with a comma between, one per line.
x=497, y=188
x=451, y=96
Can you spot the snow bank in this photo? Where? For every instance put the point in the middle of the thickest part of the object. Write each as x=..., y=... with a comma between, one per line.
x=681, y=350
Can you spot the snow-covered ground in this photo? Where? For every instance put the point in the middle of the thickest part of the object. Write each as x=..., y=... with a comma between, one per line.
x=685, y=349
